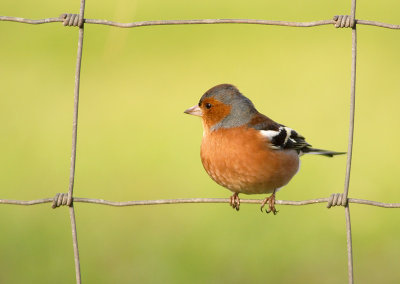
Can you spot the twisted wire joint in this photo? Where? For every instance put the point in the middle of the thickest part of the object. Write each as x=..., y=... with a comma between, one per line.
x=337, y=199
x=61, y=199
x=74, y=20
x=344, y=21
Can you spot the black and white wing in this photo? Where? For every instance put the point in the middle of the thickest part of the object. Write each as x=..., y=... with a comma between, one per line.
x=286, y=138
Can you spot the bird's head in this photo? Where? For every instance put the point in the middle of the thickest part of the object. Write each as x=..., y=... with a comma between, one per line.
x=223, y=106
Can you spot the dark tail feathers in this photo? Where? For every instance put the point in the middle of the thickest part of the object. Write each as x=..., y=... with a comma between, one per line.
x=327, y=153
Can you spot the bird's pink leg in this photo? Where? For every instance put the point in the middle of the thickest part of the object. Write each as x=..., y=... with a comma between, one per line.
x=271, y=204
x=235, y=201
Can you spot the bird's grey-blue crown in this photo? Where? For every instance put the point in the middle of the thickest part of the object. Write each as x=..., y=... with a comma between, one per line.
x=242, y=109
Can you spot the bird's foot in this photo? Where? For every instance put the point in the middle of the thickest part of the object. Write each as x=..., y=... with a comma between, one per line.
x=235, y=201
x=271, y=204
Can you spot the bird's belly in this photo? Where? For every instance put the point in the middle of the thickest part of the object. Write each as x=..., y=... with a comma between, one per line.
x=248, y=169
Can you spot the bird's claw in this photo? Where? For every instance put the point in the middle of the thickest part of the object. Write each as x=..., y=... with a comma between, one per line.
x=271, y=204
x=235, y=201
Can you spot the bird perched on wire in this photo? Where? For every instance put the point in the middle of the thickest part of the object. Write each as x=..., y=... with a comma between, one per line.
x=244, y=150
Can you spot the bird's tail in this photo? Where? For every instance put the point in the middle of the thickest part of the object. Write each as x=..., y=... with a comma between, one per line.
x=327, y=153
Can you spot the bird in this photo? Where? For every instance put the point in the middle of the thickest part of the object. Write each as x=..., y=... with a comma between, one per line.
x=245, y=151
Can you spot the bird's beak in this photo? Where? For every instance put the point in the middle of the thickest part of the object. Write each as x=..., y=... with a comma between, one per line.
x=194, y=110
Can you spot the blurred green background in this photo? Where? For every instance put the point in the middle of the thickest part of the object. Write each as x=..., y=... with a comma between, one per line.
x=134, y=143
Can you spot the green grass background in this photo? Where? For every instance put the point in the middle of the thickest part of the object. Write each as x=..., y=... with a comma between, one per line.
x=134, y=143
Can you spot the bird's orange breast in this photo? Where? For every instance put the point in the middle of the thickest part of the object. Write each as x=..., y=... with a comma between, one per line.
x=240, y=159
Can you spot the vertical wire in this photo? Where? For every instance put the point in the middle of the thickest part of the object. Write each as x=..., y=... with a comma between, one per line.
x=352, y=103
x=349, y=246
x=75, y=245
x=73, y=152
x=350, y=144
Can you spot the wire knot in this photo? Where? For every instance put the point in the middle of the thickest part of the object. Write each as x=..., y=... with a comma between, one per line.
x=72, y=20
x=344, y=21
x=337, y=199
x=61, y=199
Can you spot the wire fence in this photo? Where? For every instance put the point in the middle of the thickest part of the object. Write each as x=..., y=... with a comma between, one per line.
x=78, y=20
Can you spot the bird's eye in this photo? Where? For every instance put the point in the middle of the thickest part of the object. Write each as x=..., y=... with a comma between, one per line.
x=208, y=105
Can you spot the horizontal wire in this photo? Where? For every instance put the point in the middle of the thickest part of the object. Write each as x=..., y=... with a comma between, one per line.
x=195, y=200
x=30, y=21
x=210, y=21
x=199, y=21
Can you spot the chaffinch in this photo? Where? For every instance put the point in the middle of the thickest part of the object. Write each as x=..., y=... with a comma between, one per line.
x=244, y=150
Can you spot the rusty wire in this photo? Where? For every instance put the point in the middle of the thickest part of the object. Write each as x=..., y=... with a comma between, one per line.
x=78, y=20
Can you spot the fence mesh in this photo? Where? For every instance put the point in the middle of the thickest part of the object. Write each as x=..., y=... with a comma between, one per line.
x=78, y=20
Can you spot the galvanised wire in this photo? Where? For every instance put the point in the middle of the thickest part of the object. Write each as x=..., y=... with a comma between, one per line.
x=351, y=23
x=198, y=22
x=79, y=23
x=333, y=200
x=78, y=20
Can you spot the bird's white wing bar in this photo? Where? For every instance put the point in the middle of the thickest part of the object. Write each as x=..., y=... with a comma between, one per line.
x=270, y=134
x=288, y=134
